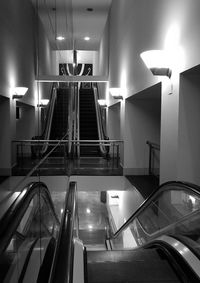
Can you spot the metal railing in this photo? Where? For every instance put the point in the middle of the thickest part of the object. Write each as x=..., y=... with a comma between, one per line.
x=154, y=158
x=23, y=151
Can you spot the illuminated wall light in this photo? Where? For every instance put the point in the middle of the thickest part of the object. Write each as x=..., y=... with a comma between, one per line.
x=60, y=38
x=102, y=102
x=116, y=93
x=88, y=211
x=19, y=92
x=43, y=103
x=87, y=38
x=158, y=61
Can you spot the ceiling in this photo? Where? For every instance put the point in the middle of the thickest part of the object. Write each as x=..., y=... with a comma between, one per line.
x=72, y=20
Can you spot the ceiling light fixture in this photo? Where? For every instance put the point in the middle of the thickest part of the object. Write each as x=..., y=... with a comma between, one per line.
x=158, y=61
x=60, y=38
x=86, y=38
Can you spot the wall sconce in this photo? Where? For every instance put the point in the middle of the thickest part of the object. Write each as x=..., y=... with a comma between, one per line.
x=158, y=62
x=43, y=103
x=19, y=92
x=102, y=103
x=116, y=93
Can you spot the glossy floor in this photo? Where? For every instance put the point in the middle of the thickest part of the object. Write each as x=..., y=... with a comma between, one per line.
x=99, y=197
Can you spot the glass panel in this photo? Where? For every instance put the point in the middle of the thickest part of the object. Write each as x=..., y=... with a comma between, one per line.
x=169, y=207
x=30, y=240
x=170, y=212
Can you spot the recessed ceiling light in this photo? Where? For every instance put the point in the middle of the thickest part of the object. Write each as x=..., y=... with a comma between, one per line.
x=86, y=38
x=60, y=37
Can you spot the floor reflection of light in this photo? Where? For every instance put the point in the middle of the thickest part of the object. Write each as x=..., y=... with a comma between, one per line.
x=90, y=227
x=88, y=210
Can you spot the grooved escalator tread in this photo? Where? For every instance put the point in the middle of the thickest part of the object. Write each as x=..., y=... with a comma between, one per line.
x=129, y=266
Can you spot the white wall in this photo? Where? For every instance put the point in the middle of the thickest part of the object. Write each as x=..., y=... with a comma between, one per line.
x=189, y=133
x=23, y=45
x=104, y=51
x=140, y=25
x=26, y=125
x=5, y=146
x=142, y=120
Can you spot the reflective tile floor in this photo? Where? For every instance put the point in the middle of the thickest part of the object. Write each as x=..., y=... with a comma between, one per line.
x=99, y=198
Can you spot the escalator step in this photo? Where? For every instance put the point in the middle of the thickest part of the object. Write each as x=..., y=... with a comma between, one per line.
x=128, y=266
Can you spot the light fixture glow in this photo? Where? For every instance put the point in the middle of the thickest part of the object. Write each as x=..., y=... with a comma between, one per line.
x=19, y=92
x=43, y=102
x=90, y=227
x=102, y=102
x=60, y=38
x=88, y=210
x=86, y=38
x=116, y=93
x=158, y=61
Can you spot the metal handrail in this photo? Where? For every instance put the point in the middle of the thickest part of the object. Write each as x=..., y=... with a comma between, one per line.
x=66, y=141
x=152, y=146
x=12, y=217
x=62, y=270
x=47, y=130
x=99, y=119
x=192, y=187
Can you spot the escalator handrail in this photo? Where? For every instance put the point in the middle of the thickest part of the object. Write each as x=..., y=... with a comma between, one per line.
x=103, y=132
x=47, y=129
x=100, y=127
x=166, y=185
x=62, y=267
x=11, y=219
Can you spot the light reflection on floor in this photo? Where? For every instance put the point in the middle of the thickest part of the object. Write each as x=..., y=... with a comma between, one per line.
x=93, y=213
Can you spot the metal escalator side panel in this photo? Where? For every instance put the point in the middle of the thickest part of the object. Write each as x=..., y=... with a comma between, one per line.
x=19, y=262
x=36, y=260
x=99, y=121
x=184, y=252
x=78, y=265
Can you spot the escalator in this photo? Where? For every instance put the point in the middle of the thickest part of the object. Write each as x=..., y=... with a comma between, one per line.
x=28, y=235
x=90, y=122
x=160, y=242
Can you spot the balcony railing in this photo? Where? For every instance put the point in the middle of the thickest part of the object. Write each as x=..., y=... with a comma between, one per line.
x=28, y=155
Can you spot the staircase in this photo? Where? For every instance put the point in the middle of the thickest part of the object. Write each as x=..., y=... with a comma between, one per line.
x=88, y=122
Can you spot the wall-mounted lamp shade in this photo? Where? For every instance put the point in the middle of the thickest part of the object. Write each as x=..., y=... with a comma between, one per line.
x=43, y=102
x=102, y=102
x=158, y=61
x=116, y=93
x=19, y=92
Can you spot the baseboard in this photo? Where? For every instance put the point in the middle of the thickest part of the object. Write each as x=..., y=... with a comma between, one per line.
x=135, y=171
